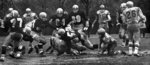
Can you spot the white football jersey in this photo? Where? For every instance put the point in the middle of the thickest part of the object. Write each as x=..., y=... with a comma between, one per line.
x=133, y=15
x=102, y=15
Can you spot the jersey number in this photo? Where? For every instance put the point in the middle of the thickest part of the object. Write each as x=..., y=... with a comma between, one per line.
x=77, y=18
x=131, y=14
x=60, y=22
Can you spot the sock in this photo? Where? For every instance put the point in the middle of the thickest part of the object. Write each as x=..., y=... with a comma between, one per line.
x=130, y=48
x=136, y=49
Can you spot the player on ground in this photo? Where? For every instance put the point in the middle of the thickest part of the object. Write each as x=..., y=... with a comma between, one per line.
x=108, y=43
x=79, y=23
x=64, y=42
x=103, y=17
x=15, y=37
x=131, y=16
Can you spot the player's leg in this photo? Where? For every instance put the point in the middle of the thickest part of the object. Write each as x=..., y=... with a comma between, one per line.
x=7, y=41
x=136, y=43
x=111, y=47
x=130, y=34
x=41, y=42
x=30, y=39
x=77, y=47
x=86, y=42
x=17, y=38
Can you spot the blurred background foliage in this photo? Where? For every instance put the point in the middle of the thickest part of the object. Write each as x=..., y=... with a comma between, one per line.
x=88, y=6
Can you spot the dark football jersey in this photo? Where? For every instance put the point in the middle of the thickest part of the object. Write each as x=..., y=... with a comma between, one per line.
x=77, y=18
x=41, y=24
x=59, y=22
x=16, y=25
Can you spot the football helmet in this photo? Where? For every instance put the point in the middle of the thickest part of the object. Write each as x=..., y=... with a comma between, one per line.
x=130, y=4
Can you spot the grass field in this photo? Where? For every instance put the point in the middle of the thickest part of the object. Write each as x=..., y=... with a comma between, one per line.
x=91, y=58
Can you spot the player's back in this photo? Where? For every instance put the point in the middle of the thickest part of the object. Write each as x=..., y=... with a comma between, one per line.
x=132, y=15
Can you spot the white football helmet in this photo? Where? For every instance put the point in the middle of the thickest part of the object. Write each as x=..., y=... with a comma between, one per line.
x=75, y=6
x=43, y=14
x=10, y=9
x=59, y=10
x=102, y=6
x=28, y=10
x=61, y=31
x=15, y=13
x=130, y=4
x=101, y=31
x=123, y=6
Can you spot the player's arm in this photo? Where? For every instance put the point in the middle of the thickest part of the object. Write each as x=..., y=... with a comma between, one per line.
x=86, y=23
x=117, y=18
x=123, y=17
x=108, y=16
x=142, y=16
x=96, y=19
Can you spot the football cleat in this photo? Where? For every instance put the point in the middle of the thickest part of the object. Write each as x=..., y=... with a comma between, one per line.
x=2, y=58
x=137, y=55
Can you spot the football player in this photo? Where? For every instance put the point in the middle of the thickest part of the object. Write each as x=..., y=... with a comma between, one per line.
x=103, y=17
x=14, y=38
x=131, y=16
x=28, y=30
x=7, y=19
x=39, y=25
x=107, y=43
x=123, y=26
x=59, y=20
x=29, y=16
x=79, y=23
x=66, y=45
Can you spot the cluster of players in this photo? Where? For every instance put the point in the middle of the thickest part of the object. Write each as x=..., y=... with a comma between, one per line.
x=69, y=31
